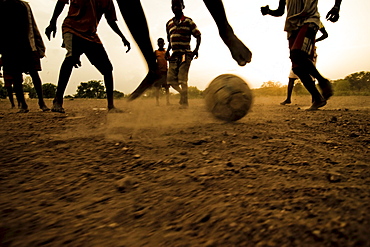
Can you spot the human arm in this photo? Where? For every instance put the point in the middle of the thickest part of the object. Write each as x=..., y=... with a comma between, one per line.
x=115, y=28
x=333, y=14
x=323, y=36
x=195, y=52
x=167, y=56
x=52, y=28
x=278, y=12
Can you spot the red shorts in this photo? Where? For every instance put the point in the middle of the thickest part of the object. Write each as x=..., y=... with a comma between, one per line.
x=303, y=39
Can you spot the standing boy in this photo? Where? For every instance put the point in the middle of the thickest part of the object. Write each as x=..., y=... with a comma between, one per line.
x=21, y=48
x=302, y=24
x=179, y=31
x=161, y=71
x=79, y=37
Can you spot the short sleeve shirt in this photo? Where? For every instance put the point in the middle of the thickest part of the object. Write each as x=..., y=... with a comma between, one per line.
x=161, y=60
x=84, y=16
x=180, y=34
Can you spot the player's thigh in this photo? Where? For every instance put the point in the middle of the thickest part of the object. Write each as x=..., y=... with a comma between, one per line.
x=99, y=58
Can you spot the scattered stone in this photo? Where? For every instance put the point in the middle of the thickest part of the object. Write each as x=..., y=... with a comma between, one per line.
x=334, y=177
x=229, y=164
x=113, y=225
x=333, y=119
x=353, y=134
x=137, y=156
x=125, y=184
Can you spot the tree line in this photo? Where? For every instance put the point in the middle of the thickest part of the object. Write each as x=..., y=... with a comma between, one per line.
x=354, y=84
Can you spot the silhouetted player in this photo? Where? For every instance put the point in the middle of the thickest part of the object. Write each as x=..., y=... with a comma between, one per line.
x=162, y=68
x=135, y=19
x=293, y=77
x=302, y=24
x=79, y=37
x=21, y=47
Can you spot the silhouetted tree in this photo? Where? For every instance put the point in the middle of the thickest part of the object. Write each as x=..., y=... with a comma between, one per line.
x=118, y=94
x=91, y=89
x=49, y=90
x=194, y=92
x=359, y=81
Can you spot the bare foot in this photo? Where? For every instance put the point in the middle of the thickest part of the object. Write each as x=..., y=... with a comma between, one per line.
x=57, y=108
x=115, y=110
x=23, y=110
x=44, y=108
x=241, y=54
x=144, y=85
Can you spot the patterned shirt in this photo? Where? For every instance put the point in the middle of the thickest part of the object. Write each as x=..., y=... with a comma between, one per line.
x=300, y=12
x=84, y=16
x=179, y=35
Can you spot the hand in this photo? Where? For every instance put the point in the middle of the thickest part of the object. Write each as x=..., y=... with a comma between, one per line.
x=333, y=14
x=265, y=10
x=195, y=54
x=126, y=43
x=51, y=29
x=167, y=55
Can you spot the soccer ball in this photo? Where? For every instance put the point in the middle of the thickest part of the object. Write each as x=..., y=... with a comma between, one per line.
x=228, y=97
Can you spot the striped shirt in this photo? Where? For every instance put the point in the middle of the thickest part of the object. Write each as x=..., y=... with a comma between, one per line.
x=300, y=12
x=179, y=35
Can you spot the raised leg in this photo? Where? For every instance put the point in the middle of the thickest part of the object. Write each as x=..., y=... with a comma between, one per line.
x=240, y=53
x=135, y=19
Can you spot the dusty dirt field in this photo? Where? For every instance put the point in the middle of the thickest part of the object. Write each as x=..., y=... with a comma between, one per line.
x=161, y=176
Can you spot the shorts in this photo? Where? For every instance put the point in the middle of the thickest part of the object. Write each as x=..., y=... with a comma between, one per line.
x=178, y=69
x=21, y=61
x=303, y=39
x=95, y=52
x=162, y=80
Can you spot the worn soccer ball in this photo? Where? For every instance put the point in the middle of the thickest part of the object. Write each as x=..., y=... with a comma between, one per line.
x=228, y=97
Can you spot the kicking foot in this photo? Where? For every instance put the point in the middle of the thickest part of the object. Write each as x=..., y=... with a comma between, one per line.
x=285, y=102
x=44, y=108
x=57, y=108
x=316, y=105
x=115, y=110
x=23, y=110
x=240, y=53
x=144, y=85
x=326, y=88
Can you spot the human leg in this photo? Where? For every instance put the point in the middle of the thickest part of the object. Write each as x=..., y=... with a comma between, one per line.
x=301, y=45
x=64, y=75
x=240, y=53
x=317, y=98
x=38, y=87
x=135, y=19
x=99, y=58
x=18, y=89
x=289, y=92
x=167, y=88
x=183, y=80
x=9, y=90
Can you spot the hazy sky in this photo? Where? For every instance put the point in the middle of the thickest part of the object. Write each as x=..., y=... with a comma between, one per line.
x=347, y=50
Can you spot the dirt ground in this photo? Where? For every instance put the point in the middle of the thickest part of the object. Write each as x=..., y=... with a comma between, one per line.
x=164, y=176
